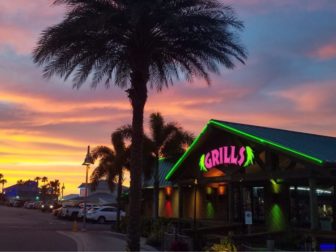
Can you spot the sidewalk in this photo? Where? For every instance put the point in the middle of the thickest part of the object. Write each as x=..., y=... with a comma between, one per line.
x=102, y=241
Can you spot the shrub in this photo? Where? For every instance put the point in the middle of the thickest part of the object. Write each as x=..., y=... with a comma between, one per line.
x=225, y=245
x=179, y=245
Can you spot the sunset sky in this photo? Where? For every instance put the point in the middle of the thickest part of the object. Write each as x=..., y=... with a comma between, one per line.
x=289, y=81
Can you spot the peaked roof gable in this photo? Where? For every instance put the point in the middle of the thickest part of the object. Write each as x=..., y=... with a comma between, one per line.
x=320, y=150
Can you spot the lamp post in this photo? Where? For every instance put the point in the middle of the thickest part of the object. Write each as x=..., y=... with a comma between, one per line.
x=87, y=162
x=63, y=187
x=195, y=215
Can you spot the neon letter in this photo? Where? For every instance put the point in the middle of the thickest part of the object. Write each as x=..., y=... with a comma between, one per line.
x=226, y=155
x=233, y=155
x=208, y=162
x=242, y=156
x=214, y=157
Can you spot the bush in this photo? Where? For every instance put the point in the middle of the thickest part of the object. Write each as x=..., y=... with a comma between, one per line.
x=225, y=245
x=156, y=231
x=179, y=246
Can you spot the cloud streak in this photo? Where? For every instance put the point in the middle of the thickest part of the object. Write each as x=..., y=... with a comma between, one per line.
x=288, y=82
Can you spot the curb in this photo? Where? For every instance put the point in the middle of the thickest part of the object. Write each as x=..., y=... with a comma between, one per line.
x=77, y=239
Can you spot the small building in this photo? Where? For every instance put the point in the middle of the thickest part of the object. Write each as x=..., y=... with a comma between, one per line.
x=26, y=191
x=101, y=195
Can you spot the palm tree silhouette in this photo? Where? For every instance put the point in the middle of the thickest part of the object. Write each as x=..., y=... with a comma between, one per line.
x=112, y=164
x=44, y=180
x=3, y=182
x=166, y=140
x=37, y=179
x=139, y=45
x=20, y=182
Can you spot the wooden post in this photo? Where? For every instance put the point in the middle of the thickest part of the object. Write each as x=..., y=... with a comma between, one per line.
x=334, y=208
x=230, y=203
x=180, y=202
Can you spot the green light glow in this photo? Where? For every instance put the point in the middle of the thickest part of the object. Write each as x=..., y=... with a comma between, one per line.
x=210, y=210
x=249, y=156
x=261, y=140
x=277, y=220
x=243, y=134
x=276, y=188
x=184, y=156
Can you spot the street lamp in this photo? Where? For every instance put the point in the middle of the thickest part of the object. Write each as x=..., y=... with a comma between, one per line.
x=87, y=162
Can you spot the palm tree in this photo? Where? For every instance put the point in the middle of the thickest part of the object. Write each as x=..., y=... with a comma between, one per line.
x=20, y=182
x=112, y=164
x=54, y=187
x=3, y=182
x=166, y=140
x=44, y=180
x=139, y=45
x=37, y=179
x=1, y=175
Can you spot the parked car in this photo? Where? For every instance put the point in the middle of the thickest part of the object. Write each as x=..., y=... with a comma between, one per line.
x=29, y=204
x=91, y=207
x=70, y=212
x=57, y=211
x=16, y=203
x=103, y=214
x=49, y=206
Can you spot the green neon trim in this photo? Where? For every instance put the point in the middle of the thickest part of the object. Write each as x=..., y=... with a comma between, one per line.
x=241, y=133
x=264, y=141
x=184, y=156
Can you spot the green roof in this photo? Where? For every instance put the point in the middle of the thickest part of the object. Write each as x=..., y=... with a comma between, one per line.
x=318, y=149
x=164, y=168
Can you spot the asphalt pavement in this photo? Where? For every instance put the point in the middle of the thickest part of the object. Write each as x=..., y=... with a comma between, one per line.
x=32, y=230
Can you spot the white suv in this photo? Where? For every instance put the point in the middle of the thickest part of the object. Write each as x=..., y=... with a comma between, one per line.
x=104, y=214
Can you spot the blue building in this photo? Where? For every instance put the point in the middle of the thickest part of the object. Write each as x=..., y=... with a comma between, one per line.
x=26, y=191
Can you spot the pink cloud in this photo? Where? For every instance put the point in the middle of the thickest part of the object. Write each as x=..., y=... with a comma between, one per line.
x=325, y=52
x=310, y=97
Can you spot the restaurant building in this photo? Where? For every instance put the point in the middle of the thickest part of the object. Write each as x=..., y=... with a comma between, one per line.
x=269, y=179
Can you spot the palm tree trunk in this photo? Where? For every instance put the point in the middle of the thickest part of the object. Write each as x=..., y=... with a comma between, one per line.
x=138, y=97
x=119, y=199
x=156, y=189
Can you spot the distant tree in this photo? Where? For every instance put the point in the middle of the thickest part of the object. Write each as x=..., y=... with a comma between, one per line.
x=112, y=164
x=1, y=175
x=20, y=182
x=3, y=182
x=55, y=188
x=44, y=180
x=37, y=179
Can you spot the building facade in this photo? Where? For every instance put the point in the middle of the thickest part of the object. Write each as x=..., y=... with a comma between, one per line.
x=238, y=175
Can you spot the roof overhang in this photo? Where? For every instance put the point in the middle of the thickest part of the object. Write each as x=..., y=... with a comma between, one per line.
x=245, y=135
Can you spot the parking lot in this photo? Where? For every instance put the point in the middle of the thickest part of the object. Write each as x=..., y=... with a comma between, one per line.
x=32, y=229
